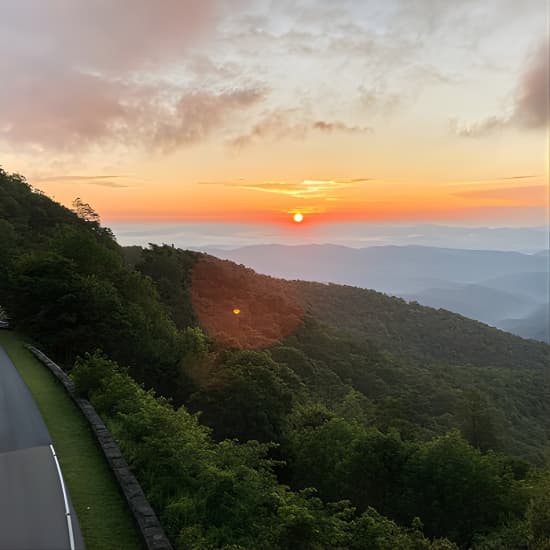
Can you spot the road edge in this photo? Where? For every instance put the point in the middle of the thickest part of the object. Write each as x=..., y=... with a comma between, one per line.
x=149, y=526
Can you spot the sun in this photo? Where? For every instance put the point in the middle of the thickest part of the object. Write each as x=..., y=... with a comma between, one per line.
x=298, y=217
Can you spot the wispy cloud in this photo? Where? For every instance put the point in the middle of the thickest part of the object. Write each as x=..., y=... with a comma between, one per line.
x=295, y=123
x=481, y=128
x=195, y=116
x=340, y=127
x=277, y=124
x=519, y=177
x=528, y=193
x=355, y=180
x=307, y=189
x=102, y=181
x=493, y=180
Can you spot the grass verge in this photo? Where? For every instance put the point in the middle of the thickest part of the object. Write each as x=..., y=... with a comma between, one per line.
x=105, y=521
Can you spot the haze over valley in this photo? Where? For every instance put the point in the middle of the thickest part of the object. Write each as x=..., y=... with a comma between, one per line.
x=497, y=275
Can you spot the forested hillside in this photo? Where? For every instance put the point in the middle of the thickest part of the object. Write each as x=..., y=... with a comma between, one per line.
x=487, y=285
x=423, y=371
x=327, y=417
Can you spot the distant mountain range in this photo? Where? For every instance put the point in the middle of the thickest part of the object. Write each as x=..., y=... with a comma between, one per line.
x=227, y=236
x=509, y=290
x=534, y=325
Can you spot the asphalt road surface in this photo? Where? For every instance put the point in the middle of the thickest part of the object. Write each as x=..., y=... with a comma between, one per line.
x=35, y=508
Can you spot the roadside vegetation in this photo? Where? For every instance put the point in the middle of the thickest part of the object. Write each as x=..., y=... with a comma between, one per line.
x=104, y=519
x=226, y=495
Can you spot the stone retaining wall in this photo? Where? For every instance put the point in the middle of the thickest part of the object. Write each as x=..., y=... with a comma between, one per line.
x=148, y=524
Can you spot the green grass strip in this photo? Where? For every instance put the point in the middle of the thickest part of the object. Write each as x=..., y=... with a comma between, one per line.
x=105, y=520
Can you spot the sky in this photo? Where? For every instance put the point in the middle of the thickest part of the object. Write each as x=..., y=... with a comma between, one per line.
x=248, y=111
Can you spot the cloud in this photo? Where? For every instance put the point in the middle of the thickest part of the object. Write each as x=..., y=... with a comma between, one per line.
x=374, y=100
x=71, y=109
x=102, y=181
x=294, y=123
x=518, y=194
x=276, y=125
x=196, y=115
x=482, y=128
x=531, y=104
x=107, y=183
x=493, y=180
x=83, y=76
x=338, y=126
x=78, y=74
x=356, y=180
x=307, y=189
x=76, y=111
x=518, y=177
x=533, y=96
x=106, y=36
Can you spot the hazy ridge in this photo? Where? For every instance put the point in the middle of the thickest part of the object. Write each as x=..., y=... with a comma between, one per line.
x=502, y=288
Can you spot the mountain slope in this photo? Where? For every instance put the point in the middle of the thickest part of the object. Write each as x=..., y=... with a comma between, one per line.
x=478, y=302
x=415, y=365
x=536, y=325
x=418, y=331
x=534, y=284
x=488, y=286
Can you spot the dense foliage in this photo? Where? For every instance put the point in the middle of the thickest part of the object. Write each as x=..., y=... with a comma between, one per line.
x=225, y=495
x=63, y=279
x=418, y=332
x=260, y=413
x=421, y=371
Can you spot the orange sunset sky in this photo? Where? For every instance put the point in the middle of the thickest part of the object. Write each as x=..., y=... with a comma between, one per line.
x=252, y=110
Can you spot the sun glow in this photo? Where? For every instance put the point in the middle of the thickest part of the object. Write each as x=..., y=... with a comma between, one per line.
x=298, y=217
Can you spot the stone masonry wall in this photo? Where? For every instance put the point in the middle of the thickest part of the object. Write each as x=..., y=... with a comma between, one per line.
x=148, y=524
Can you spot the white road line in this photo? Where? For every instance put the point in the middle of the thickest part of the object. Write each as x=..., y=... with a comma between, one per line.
x=65, y=499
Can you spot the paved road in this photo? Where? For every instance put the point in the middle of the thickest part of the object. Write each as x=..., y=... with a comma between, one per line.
x=33, y=498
